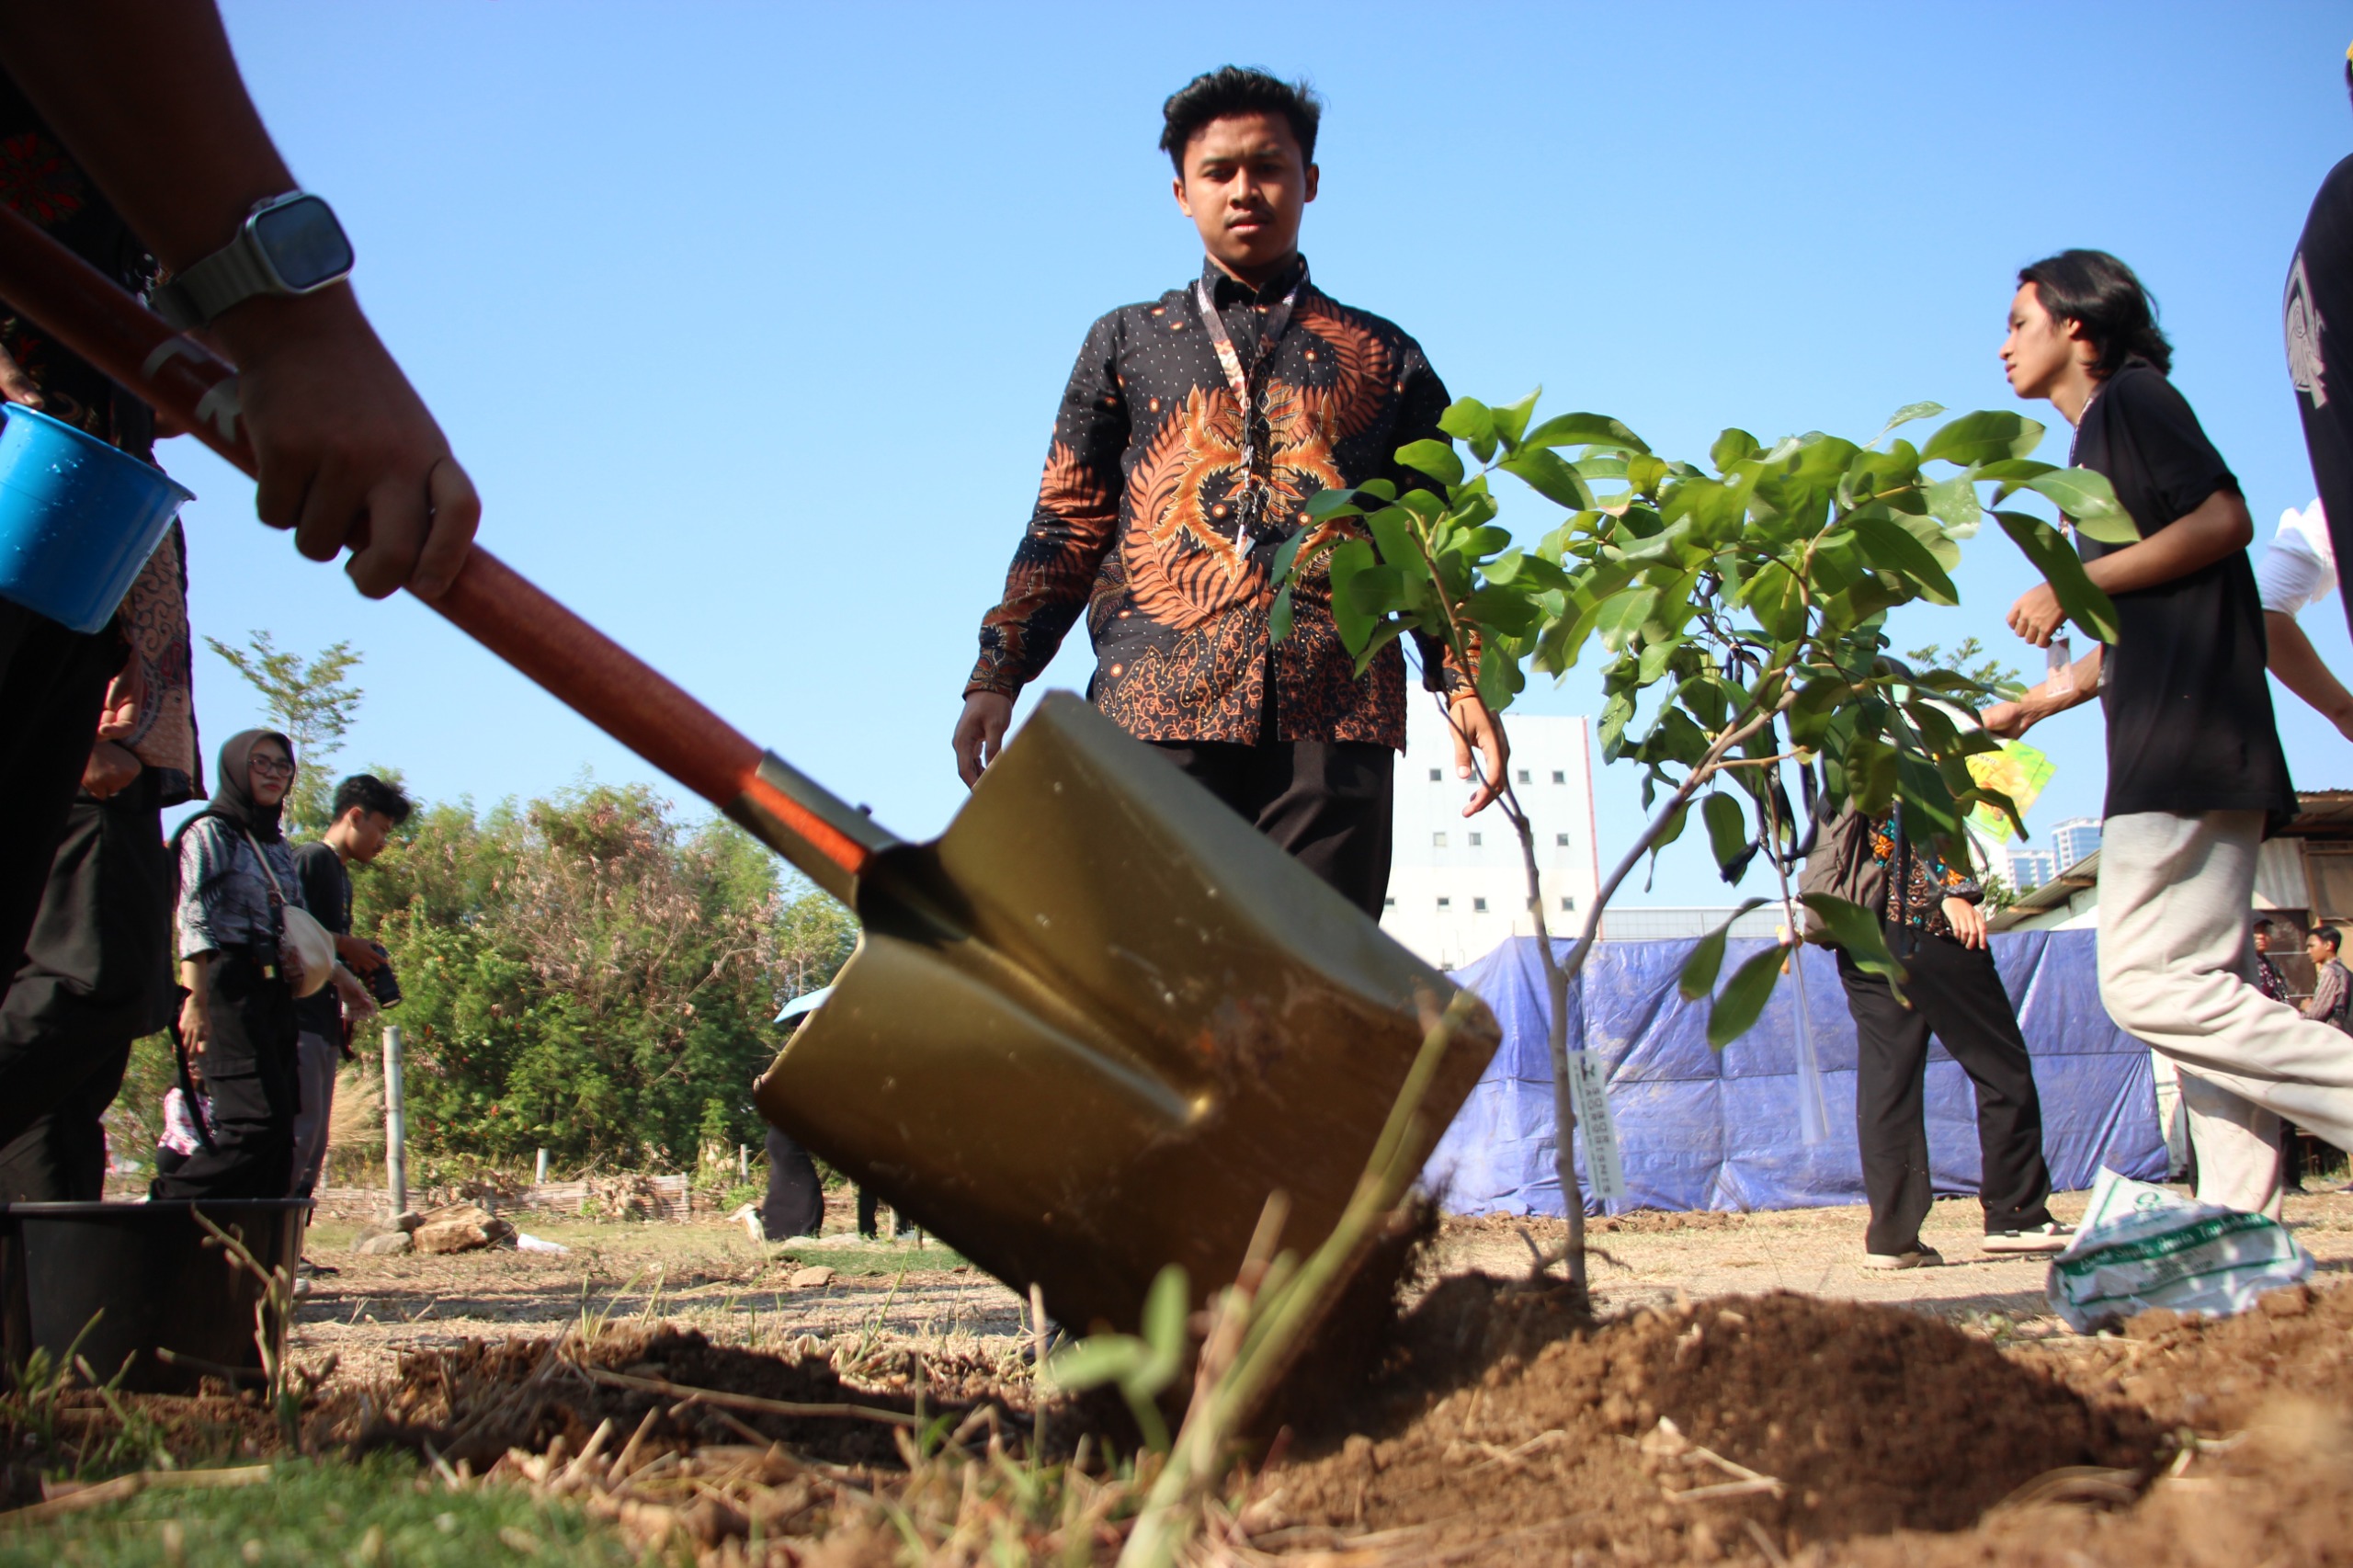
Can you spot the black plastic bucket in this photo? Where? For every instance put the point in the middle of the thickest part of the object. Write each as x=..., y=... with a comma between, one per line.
x=153, y=1279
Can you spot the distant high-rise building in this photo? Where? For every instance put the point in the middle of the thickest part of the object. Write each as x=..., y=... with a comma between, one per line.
x=2074, y=839
x=2030, y=869
x=1457, y=886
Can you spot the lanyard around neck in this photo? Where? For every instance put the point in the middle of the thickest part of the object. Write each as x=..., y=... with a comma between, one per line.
x=1250, y=495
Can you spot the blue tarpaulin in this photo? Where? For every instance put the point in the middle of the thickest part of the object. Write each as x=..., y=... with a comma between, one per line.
x=1705, y=1129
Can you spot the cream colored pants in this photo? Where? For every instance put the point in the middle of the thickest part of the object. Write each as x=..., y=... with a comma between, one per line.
x=2176, y=894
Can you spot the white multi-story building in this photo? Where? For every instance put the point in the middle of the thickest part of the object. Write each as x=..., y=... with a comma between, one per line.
x=1457, y=886
x=2073, y=840
x=2031, y=868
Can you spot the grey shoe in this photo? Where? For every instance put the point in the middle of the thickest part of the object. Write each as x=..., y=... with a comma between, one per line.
x=2050, y=1237
x=1921, y=1257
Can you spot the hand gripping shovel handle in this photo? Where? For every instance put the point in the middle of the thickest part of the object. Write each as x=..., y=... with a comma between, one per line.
x=490, y=600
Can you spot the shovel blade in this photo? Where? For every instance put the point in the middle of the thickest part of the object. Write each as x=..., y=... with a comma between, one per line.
x=1089, y=1030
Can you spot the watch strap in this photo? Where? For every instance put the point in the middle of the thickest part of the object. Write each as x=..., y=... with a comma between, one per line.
x=232, y=273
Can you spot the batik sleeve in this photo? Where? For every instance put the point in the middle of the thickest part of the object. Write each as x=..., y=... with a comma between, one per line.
x=1072, y=528
x=205, y=861
x=2328, y=993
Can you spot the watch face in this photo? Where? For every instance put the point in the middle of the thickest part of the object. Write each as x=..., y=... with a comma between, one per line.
x=302, y=242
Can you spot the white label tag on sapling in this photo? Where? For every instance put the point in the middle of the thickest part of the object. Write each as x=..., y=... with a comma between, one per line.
x=1597, y=1131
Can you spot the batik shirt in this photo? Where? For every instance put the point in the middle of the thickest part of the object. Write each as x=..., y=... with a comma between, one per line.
x=1927, y=880
x=224, y=893
x=151, y=707
x=1133, y=524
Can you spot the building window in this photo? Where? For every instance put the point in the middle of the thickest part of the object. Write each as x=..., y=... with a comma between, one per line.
x=1478, y=906
x=1434, y=776
x=1568, y=906
x=1438, y=841
x=1562, y=839
x=1523, y=776
x=1474, y=841
x=1445, y=903
x=1560, y=777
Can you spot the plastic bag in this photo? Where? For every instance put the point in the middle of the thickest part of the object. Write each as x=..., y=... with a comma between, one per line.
x=2141, y=1246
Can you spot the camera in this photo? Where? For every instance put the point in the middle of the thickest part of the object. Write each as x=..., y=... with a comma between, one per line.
x=382, y=983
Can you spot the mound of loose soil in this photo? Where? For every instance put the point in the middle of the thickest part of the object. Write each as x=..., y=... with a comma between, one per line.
x=2215, y=1375
x=1504, y=1422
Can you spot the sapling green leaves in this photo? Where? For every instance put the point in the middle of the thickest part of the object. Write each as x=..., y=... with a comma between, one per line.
x=1737, y=1006
x=2063, y=570
x=1144, y=1366
x=1984, y=437
x=1707, y=960
x=1744, y=604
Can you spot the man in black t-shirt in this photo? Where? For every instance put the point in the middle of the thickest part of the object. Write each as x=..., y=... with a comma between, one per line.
x=2195, y=778
x=2318, y=313
x=365, y=811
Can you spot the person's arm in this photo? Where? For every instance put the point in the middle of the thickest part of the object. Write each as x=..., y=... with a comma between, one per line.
x=202, y=859
x=2216, y=527
x=2298, y=664
x=2328, y=991
x=2011, y=720
x=358, y=1002
x=149, y=100
x=1073, y=527
x=196, y=1014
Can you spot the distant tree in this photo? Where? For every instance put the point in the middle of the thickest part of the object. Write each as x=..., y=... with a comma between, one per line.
x=585, y=975
x=1989, y=672
x=312, y=703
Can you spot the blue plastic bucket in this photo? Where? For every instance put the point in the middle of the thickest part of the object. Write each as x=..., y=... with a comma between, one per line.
x=77, y=518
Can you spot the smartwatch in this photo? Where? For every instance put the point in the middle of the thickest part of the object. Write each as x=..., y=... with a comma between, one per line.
x=288, y=245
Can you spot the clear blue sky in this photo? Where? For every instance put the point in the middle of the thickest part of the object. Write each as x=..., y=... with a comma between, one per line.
x=749, y=320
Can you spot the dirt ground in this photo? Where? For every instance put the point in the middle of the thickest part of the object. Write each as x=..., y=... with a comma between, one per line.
x=1739, y=1391
x=917, y=1295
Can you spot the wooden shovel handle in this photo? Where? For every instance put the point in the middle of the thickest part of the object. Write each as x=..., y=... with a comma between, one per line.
x=489, y=600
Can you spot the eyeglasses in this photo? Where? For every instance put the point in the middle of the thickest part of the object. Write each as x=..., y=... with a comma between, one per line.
x=268, y=764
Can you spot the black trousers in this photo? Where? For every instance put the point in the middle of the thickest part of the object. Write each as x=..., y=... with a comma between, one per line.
x=1956, y=994
x=870, y=1215
x=96, y=975
x=249, y=1069
x=795, y=1205
x=1325, y=803
x=62, y=1157
x=51, y=683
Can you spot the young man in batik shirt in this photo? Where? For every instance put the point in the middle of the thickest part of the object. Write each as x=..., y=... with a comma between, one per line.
x=1192, y=431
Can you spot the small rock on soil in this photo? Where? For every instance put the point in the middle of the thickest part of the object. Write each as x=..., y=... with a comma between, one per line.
x=460, y=1227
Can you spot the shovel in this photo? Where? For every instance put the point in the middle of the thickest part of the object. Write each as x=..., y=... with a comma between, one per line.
x=1086, y=1032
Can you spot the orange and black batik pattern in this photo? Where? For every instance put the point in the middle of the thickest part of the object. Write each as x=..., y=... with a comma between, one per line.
x=1134, y=529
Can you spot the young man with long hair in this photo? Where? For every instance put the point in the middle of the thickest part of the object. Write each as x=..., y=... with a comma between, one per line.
x=2195, y=778
x=1192, y=430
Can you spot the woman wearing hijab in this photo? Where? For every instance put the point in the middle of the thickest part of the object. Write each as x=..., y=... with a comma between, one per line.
x=237, y=1029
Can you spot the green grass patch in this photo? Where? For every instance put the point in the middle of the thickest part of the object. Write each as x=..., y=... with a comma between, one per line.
x=381, y=1510
x=886, y=1260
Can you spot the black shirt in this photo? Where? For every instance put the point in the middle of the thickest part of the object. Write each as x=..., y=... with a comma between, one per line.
x=326, y=894
x=2189, y=724
x=2318, y=313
